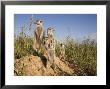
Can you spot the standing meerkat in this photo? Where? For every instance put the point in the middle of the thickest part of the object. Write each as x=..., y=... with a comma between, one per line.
x=50, y=47
x=51, y=39
x=38, y=35
x=62, y=51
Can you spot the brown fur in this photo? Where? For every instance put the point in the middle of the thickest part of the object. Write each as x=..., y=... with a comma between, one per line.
x=38, y=35
x=50, y=51
x=50, y=32
x=62, y=52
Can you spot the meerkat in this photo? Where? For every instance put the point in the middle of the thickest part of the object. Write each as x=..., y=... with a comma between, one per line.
x=50, y=47
x=51, y=39
x=38, y=35
x=62, y=51
x=48, y=52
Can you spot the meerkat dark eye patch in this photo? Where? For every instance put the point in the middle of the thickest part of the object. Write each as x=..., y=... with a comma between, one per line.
x=41, y=21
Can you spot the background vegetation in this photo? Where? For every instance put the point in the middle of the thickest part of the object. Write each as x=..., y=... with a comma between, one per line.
x=81, y=56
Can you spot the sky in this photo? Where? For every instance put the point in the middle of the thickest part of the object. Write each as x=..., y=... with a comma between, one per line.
x=76, y=26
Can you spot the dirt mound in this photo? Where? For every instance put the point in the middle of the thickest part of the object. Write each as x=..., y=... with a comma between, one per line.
x=35, y=66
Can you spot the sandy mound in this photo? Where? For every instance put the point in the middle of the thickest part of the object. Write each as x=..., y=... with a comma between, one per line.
x=35, y=66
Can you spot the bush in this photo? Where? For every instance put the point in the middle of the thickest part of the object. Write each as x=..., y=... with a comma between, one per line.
x=23, y=46
x=83, y=54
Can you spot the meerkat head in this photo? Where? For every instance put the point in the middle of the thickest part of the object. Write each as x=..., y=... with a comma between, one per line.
x=38, y=22
x=50, y=31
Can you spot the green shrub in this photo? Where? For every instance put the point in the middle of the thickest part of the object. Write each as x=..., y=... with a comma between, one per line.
x=23, y=46
x=83, y=54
